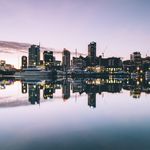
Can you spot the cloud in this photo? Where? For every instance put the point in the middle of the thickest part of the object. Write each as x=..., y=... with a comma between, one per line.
x=15, y=47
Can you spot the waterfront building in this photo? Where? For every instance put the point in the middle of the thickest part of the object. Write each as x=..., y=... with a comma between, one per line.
x=78, y=62
x=34, y=56
x=2, y=62
x=24, y=62
x=136, y=58
x=111, y=64
x=92, y=53
x=48, y=59
x=66, y=60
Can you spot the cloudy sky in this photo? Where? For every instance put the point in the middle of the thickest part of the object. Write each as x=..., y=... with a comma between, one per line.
x=118, y=26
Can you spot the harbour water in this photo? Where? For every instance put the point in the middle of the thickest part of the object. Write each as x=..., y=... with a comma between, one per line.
x=75, y=114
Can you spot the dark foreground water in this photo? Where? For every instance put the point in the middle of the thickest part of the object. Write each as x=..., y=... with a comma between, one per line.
x=74, y=115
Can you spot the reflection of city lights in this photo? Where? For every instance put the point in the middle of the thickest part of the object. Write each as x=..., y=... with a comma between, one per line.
x=92, y=107
x=141, y=71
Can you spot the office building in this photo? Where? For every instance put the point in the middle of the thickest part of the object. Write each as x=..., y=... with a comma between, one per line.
x=66, y=60
x=34, y=56
x=92, y=53
x=48, y=59
x=24, y=62
x=136, y=57
x=78, y=62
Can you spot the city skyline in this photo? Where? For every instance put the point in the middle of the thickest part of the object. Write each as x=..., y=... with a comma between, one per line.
x=118, y=26
x=15, y=51
x=74, y=74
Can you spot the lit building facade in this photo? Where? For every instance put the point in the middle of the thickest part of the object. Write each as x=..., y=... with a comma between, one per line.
x=24, y=62
x=48, y=59
x=136, y=57
x=34, y=56
x=92, y=53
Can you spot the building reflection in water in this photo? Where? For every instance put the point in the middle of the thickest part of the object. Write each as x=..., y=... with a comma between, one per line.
x=92, y=99
x=34, y=93
x=24, y=88
x=5, y=82
x=65, y=89
x=91, y=87
x=48, y=90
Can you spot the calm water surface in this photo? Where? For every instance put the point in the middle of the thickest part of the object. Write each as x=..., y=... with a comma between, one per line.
x=74, y=114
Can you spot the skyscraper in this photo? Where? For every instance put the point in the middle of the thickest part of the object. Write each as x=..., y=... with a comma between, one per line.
x=66, y=59
x=34, y=56
x=48, y=59
x=24, y=62
x=136, y=57
x=92, y=53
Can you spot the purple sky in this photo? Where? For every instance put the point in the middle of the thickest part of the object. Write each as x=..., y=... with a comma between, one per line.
x=118, y=26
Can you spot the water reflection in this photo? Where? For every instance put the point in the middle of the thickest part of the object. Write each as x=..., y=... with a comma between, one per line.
x=67, y=87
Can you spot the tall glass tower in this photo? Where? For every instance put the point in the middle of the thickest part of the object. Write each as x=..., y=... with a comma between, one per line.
x=92, y=53
x=34, y=56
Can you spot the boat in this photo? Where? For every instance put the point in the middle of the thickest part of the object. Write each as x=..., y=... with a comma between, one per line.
x=35, y=73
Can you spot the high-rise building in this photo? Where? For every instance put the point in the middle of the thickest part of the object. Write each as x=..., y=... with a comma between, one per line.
x=34, y=56
x=78, y=62
x=66, y=59
x=92, y=53
x=24, y=62
x=136, y=57
x=2, y=62
x=48, y=59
